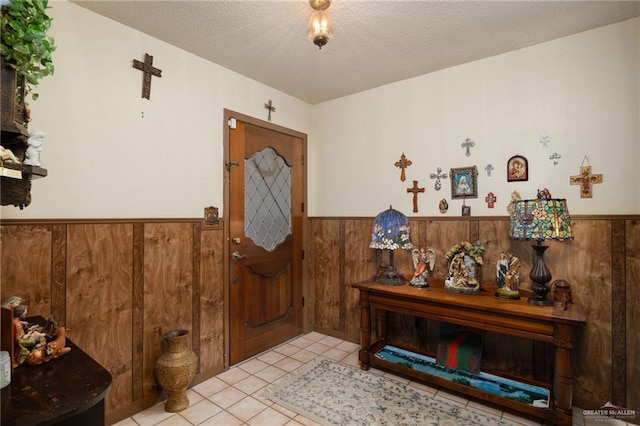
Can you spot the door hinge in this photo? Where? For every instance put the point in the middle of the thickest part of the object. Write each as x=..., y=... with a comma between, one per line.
x=302, y=207
x=302, y=254
x=303, y=302
x=231, y=164
x=303, y=160
x=232, y=123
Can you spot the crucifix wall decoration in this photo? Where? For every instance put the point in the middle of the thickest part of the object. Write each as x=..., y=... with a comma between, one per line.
x=271, y=109
x=545, y=140
x=585, y=179
x=488, y=168
x=437, y=176
x=490, y=199
x=467, y=145
x=402, y=163
x=148, y=70
x=415, y=190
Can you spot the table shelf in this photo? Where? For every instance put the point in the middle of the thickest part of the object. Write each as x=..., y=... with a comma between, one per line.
x=548, y=324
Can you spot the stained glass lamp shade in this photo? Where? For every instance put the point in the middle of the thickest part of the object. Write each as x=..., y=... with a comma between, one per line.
x=391, y=232
x=540, y=220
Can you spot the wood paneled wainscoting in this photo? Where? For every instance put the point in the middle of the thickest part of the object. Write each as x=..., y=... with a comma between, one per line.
x=602, y=264
x=119, y=285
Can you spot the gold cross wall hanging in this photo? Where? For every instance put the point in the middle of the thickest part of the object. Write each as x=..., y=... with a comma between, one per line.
x=585, y=179
x=403, y=163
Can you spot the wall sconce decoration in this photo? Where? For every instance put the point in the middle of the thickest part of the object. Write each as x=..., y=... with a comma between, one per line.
x=320, y=28
x=540, y=219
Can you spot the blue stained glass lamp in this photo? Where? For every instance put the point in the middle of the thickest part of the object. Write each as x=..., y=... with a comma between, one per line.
x=391, y=232
x=540, y=220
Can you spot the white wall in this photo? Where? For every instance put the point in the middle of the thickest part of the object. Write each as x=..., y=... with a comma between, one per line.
x=581, y=91
x=105, y=160
x=112, y=154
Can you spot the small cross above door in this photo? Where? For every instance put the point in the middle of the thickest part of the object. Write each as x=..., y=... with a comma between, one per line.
x=271, y=109
x=148, y=70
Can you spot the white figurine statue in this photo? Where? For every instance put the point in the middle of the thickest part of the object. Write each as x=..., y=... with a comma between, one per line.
x=32, y=156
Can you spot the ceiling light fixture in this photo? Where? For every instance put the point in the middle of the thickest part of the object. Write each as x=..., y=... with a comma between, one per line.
x=320, y=28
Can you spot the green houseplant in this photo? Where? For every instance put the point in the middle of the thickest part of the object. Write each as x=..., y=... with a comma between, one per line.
x=24, y=43
x=25, y=58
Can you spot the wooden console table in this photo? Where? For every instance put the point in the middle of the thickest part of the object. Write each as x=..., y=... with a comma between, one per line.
x=66, y=391
x=484, y=312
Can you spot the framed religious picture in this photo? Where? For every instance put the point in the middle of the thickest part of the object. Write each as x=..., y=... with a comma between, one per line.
x=517, y=169
x=464, y=182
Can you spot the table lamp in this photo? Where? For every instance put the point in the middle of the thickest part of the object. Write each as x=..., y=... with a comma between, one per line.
x=391, y=232
x=540, y=220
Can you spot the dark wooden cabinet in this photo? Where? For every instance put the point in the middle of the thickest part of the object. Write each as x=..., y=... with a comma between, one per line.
x=548, y=324
x=69, y=390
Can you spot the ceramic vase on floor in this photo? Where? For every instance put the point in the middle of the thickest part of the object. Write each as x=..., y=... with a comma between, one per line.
x=175, y=369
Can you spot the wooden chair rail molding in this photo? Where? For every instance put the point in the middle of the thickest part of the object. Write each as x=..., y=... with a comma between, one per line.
x=108, y=280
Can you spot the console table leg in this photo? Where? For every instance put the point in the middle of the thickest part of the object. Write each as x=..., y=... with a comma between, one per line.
x=365, y=331
x=563, y=377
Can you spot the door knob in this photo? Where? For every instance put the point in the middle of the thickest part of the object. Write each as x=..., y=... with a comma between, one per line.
x=238, y=256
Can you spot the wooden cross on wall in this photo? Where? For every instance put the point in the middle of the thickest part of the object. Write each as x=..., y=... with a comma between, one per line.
x=402, y=163
x=271, y=109
x=148, y=70
x=415, y=190
x=585, y=179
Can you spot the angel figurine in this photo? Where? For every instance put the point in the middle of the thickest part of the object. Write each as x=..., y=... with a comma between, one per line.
x=423, y=263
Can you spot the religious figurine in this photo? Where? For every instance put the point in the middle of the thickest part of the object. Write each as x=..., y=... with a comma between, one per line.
x=508, y=276
x=32, y=156
x=463, y=259
x=7, y=156
x=515, y=197
x=18, y=327
x=544, y=194
x=51, y=350
x=423, y=264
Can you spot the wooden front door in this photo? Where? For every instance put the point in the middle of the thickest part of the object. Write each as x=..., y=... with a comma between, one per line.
x=266, y=183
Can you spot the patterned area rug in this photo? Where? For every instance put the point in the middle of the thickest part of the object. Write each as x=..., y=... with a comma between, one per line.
x=336, y=394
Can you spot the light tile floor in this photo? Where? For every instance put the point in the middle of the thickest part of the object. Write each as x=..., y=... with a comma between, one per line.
x=232, y=398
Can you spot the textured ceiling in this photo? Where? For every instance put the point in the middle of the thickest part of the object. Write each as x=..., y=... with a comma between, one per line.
x=375, y=41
